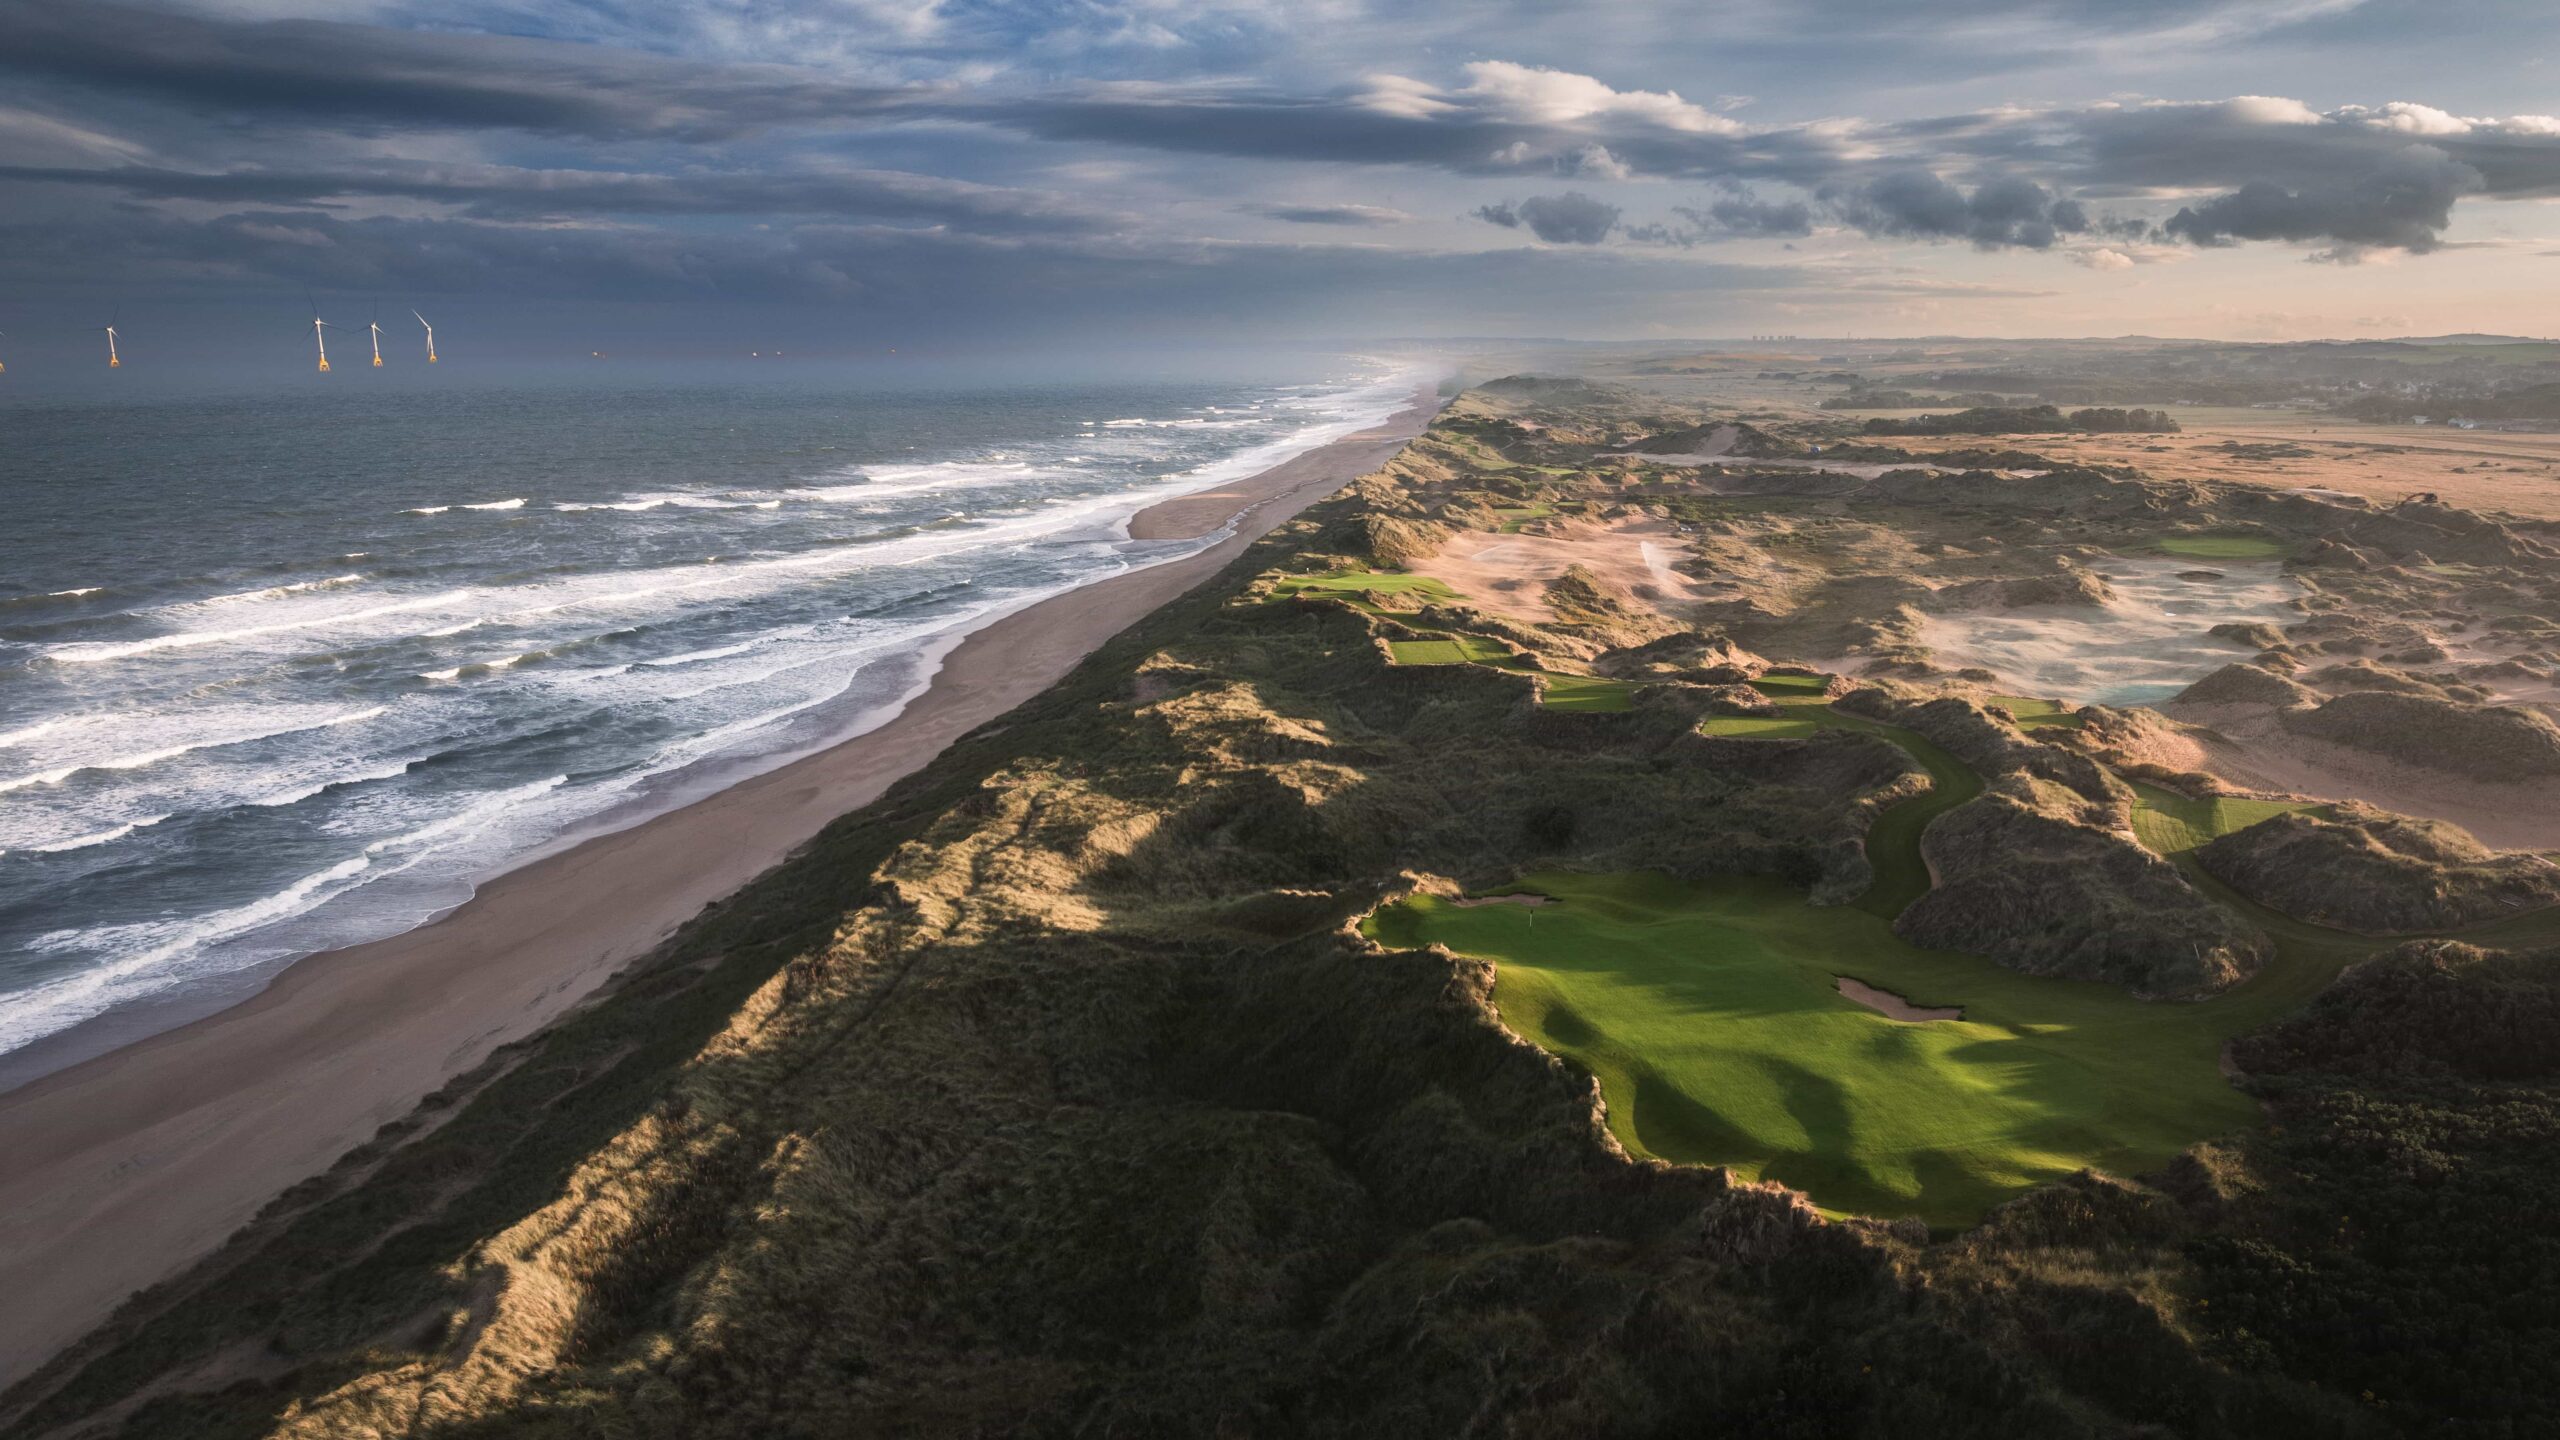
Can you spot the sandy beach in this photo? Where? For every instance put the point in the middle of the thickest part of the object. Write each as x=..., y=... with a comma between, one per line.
x=125, y=1168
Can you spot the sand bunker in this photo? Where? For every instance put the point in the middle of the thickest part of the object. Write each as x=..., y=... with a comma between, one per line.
x=1508, y=574
x=1894, y=1007
x=2251, y=749
x=2146, y=646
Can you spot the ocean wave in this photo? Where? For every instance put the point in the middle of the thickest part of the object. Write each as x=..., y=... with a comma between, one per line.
x=20, y=737
x=138, y=972
x=277, y=592
x=883, y=482
x=725, y=651
x=153, y=757
x=83, y=842
x=489, y=805
x=296, y=796
x=92, y=652
x=514, y=504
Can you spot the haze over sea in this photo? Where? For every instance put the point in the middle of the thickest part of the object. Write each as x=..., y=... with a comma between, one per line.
x=282, y=673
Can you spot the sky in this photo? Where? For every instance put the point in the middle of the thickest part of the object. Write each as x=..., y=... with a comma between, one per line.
x=847, y=176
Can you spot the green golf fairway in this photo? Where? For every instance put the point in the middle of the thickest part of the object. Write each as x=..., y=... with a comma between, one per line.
x=1711, y=1017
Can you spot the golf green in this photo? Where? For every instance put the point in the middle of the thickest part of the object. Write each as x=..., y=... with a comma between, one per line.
x=2219, y=547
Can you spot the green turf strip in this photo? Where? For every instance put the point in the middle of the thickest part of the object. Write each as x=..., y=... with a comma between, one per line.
x=2174, y=824
x=1582, y=692
x=1365, y=582
x=2219, y=547
x=2032, y=713
x=1775, y=685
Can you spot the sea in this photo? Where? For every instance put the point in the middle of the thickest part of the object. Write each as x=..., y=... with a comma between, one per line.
x=281, y=673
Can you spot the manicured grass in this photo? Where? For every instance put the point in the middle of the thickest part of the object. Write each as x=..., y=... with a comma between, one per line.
x=1516, y=516
x=1453, y=649
x=2032, y=713
x=1365, y=583
x=1759, y=727
x=1583, y=692
x=2220, y=547
x=1776, y=686
x=2174, y=824
x=1710, y=1016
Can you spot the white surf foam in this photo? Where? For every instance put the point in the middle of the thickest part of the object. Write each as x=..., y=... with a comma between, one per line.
x=61, y=773
x=278, y=592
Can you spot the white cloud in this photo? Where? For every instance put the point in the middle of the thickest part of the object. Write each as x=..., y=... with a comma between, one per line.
x=1538, y=96
x=2413, y=119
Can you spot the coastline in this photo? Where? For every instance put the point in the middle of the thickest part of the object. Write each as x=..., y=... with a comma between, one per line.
x=125, y=1167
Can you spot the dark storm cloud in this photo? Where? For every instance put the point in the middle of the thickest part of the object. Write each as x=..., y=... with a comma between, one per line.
x=1572, y=218
x=498, y=192
x=1748, y=215
x=1365, y=215
x=323, y=72
x=195, y=149
x=2405, y=203
x=2010, y=212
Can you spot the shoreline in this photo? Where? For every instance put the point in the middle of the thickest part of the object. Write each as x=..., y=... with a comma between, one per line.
x=128, y=1166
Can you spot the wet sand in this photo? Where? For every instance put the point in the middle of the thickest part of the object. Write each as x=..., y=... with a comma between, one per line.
x=123, y=1169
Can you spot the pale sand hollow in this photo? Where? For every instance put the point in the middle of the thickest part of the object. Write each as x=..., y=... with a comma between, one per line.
x=1894, y=1007
x=1507, y=575
x=122, y=1170
x=2247, y=747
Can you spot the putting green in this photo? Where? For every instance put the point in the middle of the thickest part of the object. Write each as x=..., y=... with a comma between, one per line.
x=2174, y=825
x=1711, y=1017
x=2220, y=547
x=2032, y=713
x=1364, y=583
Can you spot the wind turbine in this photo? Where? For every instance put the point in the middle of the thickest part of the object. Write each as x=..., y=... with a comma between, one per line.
x=319, y=333
x=431, y=338
x=4, y=367
x=114, y=361
x=375, y=325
